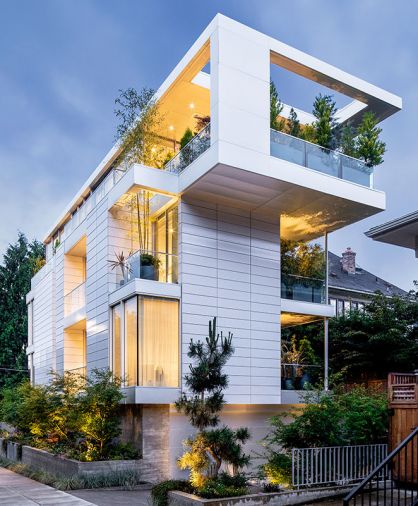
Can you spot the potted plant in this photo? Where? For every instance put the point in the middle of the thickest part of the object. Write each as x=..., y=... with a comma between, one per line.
x=121, y=262
x=149, y=266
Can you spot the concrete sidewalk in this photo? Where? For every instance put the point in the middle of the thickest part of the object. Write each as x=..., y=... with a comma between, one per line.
x=103, y=497
x=17, y=490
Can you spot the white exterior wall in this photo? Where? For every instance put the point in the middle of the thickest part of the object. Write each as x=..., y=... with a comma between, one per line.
x=230, y=268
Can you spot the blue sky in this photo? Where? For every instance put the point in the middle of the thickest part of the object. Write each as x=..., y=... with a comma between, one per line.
x=62, y=63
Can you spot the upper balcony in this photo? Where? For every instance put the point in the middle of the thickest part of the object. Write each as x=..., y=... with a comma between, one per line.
x=237, y=161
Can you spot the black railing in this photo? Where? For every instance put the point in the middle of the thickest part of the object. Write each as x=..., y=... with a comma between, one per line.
x=394, y=481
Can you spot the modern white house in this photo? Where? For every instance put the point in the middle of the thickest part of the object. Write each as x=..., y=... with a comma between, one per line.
x=202, y=236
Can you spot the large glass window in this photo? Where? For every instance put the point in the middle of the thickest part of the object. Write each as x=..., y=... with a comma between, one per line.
x=150, y=342
x=131, y=341
x=116, y=331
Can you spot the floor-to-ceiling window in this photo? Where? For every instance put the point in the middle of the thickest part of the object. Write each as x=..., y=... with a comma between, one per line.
x=146, y=345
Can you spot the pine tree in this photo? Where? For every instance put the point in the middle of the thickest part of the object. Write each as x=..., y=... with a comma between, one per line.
x=276, y=107
x=293, y=125
x=203, y=404
x=369, y=147
x=206, y=381
x=20, y=263
x=348, y=144
x=324, y=109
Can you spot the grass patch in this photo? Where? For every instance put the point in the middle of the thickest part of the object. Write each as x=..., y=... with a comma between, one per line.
x=124, y=479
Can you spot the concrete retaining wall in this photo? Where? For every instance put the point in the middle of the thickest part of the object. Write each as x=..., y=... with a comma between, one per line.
x=274, y=499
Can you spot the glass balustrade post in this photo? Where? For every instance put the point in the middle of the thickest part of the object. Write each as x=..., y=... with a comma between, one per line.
x=340, y=167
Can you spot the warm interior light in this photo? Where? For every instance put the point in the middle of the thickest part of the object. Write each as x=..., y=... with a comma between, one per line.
x=191, y=105
x=171, y=128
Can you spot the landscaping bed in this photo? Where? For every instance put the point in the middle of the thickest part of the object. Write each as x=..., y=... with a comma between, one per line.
x=176, y=498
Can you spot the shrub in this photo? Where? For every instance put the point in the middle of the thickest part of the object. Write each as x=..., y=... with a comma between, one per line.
x=278, y=470
x=333, y=419
x=216, y=488
x=159, y=493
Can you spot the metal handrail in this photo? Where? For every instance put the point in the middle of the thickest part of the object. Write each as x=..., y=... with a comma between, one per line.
x=303, y=277
x=375, y=473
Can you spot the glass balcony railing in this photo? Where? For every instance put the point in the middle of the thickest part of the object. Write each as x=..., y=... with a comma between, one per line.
x=151, y=265
x=192, y=150
x=300, y=376
x=317, y=158
x=75, y=300
x=302, y=288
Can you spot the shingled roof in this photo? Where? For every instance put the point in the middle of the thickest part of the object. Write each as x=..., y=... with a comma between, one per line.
x=362, y=281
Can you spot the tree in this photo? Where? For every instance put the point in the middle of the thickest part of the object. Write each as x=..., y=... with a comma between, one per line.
x=293, y=124
x=20, y=262
x=324, y=109
x=369, y=147
x=276, y=107
x=348, y=144
x=301, y=258
x=206, y=382
x=140, y=120
x=332, y=419
x=371, y=343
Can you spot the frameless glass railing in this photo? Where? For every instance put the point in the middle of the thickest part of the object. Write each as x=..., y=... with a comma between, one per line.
x=151, y=265
x=300, y=376
x=191, y=151
x=75, y=300
x=317, y=158
x=302, y=288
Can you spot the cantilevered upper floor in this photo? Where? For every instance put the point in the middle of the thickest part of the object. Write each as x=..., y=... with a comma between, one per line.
x=236, y=160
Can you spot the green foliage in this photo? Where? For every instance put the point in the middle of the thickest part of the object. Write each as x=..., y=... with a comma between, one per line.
x=206, y=381
x=276, y=108
x=212, y=448
x=331, y=419
x=302, y=259
x=371, y=343
x=140, y=120
x=348, y=143
x=125, y=479
x=20, y=262
x=71, y=415
x=213, y=489
x=187, y=137
x=99, y=421
x=324, y=109
x=278, y=469
x=293, y=124
x=368, y=146
x=159, y=493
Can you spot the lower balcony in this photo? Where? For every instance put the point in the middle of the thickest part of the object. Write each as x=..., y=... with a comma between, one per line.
x=303, y=288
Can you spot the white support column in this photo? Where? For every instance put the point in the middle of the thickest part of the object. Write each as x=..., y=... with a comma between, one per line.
x=326, y=343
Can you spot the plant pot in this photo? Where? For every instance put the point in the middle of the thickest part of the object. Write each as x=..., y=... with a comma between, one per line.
x=288, y=384
x=305, y=381
x=148, y=272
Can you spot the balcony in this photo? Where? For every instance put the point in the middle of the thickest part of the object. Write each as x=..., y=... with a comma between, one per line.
x=300, y=377
x=150, y=265
x=302, y=288
x=191, y=151
x=327, y=161
x=75, y=300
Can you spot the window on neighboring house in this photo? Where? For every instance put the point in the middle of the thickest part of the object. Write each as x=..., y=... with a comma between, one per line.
x=354, y=305
x=340, y=307
x=333, y=303
x=360, y=306
x=146, y=345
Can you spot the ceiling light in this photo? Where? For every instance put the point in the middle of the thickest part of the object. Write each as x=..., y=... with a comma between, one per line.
x=191, y=105
x=171, y=127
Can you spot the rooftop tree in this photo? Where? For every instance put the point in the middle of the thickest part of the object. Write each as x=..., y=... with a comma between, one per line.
x=369, y=147
x=324, y=109
x=276, y=108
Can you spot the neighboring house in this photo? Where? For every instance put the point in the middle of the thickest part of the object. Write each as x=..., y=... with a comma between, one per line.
x=402, y=231
x=350, y=286
x=206, y=230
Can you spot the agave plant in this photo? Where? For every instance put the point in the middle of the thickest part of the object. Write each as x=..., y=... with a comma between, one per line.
x=121, y=261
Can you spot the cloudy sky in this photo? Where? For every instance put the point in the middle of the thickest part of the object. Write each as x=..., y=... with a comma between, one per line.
x=62, y=63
